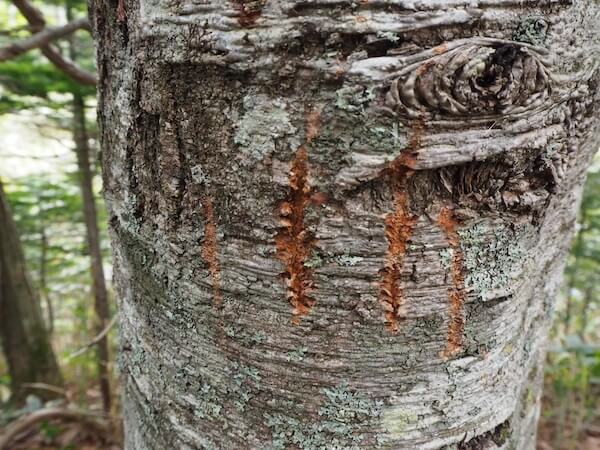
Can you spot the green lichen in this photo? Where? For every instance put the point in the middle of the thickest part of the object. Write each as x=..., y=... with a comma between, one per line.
x=397, y=420
x=297, y=355
x=317, y=259
x=366, y=132
x=347, y=260
x=354, y=99
x=446, y=256
x=491, y=258
x=264, y=122
x=388, y=35
x=208, y=402
x=245, y=382
x=342, y=415
x=314, y=261
x=532, y=30
x=247, y=338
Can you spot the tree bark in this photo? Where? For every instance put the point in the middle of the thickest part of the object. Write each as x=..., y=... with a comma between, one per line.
x=341, y=224
x=25, y=341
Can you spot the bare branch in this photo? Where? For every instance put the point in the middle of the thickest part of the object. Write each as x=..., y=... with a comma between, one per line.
x=36, y=19
x=45, y=387
x=41, y=38
x=94, y=341
x=94, y=422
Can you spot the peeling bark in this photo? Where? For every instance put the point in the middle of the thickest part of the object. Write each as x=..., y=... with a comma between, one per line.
x=452, y=145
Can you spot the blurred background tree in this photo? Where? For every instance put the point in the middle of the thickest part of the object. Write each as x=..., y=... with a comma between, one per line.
x=48, y=165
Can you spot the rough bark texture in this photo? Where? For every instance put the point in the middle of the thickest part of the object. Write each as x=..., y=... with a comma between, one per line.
x=341, y=224
x=25, y=341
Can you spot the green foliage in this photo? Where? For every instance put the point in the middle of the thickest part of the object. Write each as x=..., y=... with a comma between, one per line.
x=31, y=80
x=572, y=384
x=50, y=221
x=32, y=76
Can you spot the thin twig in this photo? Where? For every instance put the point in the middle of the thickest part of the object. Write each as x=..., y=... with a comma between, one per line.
x=36, y=19
x=41, y=38
x=94, y=341
x=46, y=387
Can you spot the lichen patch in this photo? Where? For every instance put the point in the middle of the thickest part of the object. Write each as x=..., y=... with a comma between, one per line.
x=492, y=257
x=263, y=124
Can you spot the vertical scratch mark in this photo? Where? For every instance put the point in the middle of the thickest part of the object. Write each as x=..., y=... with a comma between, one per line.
x=210, y=249
x=249, y=11
x=293, y=241
x=399, y=227
x=457, y=293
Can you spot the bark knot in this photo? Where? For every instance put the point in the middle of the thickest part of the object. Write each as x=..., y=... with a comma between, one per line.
x=479, y=79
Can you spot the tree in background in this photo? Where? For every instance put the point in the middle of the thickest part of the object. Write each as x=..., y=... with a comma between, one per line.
x=25, y=340
x=86, y=180
x=341, y=224
x=23, y=79
x=573, y=371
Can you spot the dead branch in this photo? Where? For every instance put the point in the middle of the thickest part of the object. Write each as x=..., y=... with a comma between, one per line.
x=41, y=38
x=36, y=19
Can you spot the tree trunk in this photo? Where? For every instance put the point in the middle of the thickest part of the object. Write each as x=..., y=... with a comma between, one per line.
x=101, y=307
x=341, y=224
x=25, y=341
x=86, y=182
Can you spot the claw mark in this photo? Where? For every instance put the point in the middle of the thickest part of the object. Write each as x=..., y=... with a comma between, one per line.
x=399, y=227
x=210, y=249
x=294, y=242
x=249, y=11
x=457, y=292
x=121, y=12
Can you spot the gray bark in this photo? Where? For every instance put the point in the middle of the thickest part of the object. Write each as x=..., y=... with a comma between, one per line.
x=341, y=224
